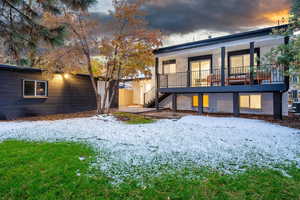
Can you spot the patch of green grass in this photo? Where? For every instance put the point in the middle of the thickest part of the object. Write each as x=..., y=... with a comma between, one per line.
x=38, y=170
x=130, y=118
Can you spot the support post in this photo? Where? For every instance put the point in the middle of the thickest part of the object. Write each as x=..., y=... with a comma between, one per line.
x=174, y=102
x=223, y=55
x=189, y=73
x=200, y=103
x=286, y=68
x=157, y=83
x=252, y=52
x=277, y=105
x=236, y=104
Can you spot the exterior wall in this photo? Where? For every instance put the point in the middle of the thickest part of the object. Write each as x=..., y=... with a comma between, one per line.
x=139, y=89
x=184, y=102
x=223, y=103
x=65, y=95
x=125, y=97
x=285, y=104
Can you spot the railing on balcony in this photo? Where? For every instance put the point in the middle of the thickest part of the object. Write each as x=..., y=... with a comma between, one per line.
x=267, y=74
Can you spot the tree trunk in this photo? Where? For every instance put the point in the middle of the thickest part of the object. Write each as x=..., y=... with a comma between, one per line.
x=98, y=102
x=115, y=87
x=94, y=84
x=109, y=77
x=106, y=91
x=112, y=96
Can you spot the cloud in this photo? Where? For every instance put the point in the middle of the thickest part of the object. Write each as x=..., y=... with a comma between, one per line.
x=185, y=16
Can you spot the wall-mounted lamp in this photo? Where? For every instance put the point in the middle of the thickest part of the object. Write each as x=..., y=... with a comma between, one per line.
x=67, y=76
x=58, y=77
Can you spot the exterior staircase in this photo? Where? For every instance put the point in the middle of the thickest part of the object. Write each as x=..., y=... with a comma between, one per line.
x=149, y=98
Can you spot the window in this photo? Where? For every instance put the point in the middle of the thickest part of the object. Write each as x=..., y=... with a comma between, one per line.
x=205, y=101
x=200, y=68
x=294, y=94
x=33, y=88
x=294, y=79
x=169, y=67
x=239, y=61
x=250, y=101
x=244, y=101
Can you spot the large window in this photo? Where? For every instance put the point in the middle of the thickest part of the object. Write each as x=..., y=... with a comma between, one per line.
x=33, y=88
x=205, y=101
x=169, y=67
x=250, y=101
x=239, y=61
x=200, y=71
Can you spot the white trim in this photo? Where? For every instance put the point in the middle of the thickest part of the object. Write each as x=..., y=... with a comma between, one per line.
x=216, y=47
x=35, y=87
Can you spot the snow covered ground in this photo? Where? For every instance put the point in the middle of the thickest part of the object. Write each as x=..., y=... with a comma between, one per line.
x=225, y=143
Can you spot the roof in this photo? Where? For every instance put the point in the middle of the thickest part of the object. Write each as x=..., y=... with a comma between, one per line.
x=17, y=68
x=26, y=69
x=217, y=40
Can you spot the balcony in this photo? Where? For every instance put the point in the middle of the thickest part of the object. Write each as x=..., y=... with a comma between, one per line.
x=236, y=77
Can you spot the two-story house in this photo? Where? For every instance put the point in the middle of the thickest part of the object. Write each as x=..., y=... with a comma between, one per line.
x=223, y=75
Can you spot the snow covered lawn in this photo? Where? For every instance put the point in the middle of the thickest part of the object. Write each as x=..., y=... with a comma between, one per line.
x=228, y=144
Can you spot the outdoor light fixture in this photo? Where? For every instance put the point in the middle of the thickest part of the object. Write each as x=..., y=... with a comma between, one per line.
x=57, y=77
x=67, y=76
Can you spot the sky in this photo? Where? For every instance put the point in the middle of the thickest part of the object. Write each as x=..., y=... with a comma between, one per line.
x=190, y=20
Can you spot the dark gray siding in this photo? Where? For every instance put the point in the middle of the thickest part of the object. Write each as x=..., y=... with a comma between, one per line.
x=65, y=95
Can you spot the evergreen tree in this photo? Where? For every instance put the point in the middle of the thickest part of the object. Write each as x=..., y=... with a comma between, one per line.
x=21, y=24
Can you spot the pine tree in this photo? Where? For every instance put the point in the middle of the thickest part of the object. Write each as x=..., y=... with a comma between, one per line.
x=21, y=24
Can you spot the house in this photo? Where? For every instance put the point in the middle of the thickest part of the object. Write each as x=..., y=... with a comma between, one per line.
x=223, y=75
x=31, y=92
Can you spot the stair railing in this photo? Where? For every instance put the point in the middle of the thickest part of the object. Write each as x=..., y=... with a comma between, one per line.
x=149, y=96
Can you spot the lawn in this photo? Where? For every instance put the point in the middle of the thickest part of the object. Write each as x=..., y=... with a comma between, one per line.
x=194, y=157
x=130, y=118
x=62, y=170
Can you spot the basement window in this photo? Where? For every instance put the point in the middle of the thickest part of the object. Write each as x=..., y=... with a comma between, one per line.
x=250, y=102
x=205, y=101
x=35, y=89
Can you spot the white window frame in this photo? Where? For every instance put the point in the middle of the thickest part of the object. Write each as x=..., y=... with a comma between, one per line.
x=35, y=87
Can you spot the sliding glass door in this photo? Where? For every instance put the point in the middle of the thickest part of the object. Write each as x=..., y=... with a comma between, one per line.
x=200, y=71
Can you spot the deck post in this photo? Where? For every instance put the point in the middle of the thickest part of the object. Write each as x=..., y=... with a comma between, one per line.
x=277, y=105
x=188, y=74
x=200, y=103
x=236, y=104
x=286, y=68
x=174, y=102
x=252, y=57
x=223, y=56
x=157, y=83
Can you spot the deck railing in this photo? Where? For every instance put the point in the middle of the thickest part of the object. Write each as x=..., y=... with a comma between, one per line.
x=245, y=75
